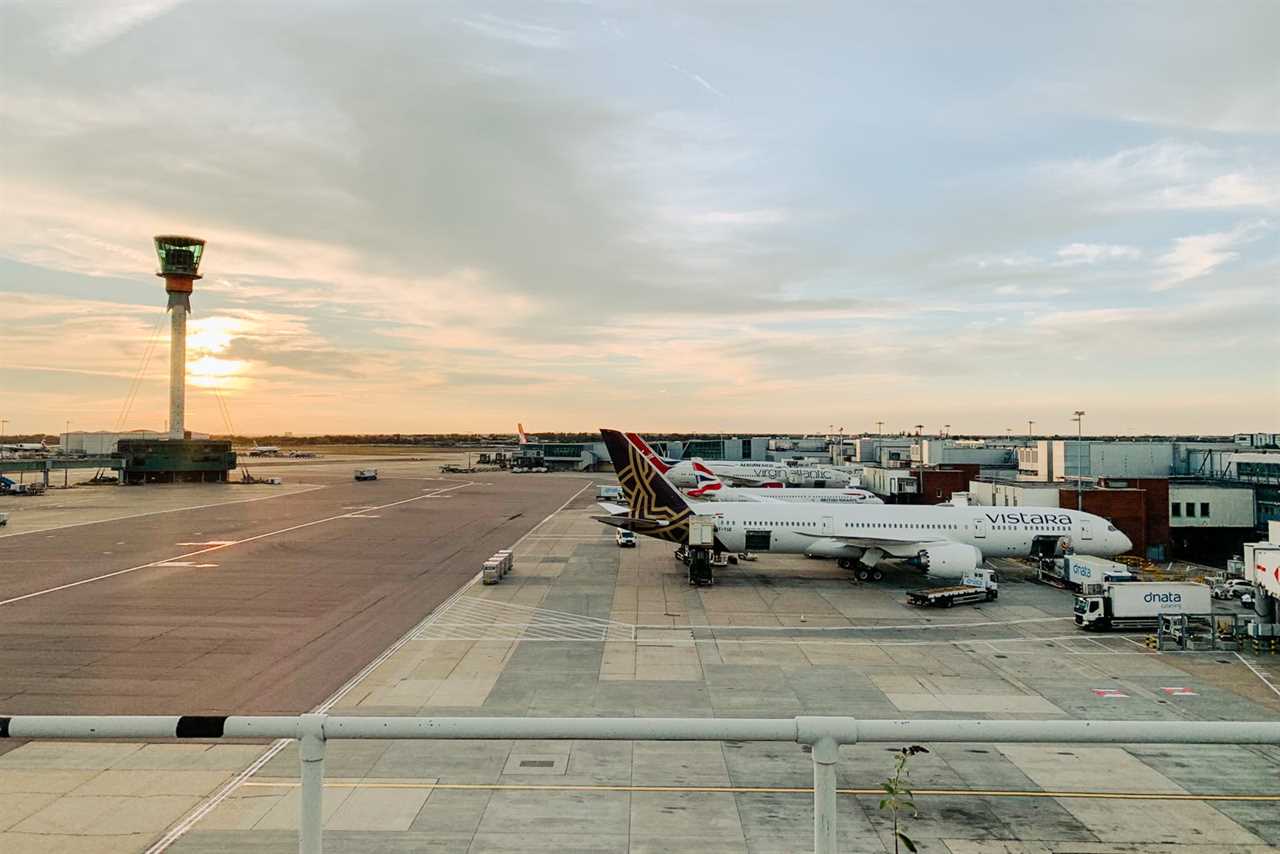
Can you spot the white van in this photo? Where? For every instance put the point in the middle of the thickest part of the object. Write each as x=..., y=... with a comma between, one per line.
x=625, y=538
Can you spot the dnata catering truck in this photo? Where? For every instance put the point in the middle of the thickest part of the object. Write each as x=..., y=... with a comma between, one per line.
x=1138, y=604
x=1076, y=572
x=981, y=585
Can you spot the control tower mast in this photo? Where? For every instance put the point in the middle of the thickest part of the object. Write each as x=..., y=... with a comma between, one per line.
x=179, y=267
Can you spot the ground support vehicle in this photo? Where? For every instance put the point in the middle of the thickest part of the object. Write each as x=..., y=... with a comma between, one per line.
x=1076, y=572
x=981, y=585
x=1139, y=604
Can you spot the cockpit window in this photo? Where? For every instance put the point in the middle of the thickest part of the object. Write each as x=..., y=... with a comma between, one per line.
x=1111, y=527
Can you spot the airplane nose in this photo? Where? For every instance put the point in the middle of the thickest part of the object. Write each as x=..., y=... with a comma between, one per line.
x=1125, y=543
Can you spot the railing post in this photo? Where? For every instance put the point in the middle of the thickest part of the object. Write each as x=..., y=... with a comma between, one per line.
x=825, y=755
x=311, y=804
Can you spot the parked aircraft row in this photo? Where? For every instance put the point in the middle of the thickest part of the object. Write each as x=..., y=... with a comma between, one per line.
x=944, y=541
x=790, y=473
x=709, y=486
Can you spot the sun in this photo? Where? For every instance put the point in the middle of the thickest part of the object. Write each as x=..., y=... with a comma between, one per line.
x=207, y=338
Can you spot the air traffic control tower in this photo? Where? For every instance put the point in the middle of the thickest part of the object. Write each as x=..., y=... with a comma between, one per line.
x=177, y=458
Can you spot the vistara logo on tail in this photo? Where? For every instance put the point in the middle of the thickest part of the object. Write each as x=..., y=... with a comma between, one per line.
x=649, y=495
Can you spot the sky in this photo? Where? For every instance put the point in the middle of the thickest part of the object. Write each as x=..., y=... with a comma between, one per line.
x=704, y=216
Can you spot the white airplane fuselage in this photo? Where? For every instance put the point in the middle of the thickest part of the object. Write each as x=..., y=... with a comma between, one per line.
x=843, y=495
x=800, y=475
x=826, y=530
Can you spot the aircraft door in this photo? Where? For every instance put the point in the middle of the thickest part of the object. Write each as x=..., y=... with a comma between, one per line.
x=980, y=529
x=759, y=541
x=1086, y=531
x=828, y=525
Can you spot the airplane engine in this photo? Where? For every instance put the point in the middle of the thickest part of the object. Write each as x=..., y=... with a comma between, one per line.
x=949, y=560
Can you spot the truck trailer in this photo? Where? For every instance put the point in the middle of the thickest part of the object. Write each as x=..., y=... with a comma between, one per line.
x=1076, y=572
x=981, y=585
x=1139, y=604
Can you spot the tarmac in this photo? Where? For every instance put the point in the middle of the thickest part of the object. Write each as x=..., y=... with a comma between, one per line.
x=582, y=627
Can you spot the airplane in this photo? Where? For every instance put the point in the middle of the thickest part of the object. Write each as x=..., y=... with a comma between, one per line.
x=791, y=473
x=711, y=487
x=22, y=447
x=523, y=437
x=945, y=541
x=264, y=451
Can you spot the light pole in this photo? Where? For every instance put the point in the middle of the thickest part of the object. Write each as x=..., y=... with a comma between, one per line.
x=3, y=422
x=1079, y=419
x=919, y=427
x=1030, y=424
x=879, y=427
x=946, y=430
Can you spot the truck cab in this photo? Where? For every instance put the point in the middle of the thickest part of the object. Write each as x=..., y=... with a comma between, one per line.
x=983, y=579
x=1089, y=611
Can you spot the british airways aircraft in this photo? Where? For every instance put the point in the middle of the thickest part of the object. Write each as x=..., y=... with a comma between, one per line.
x=710, y=487
x=792, y=473
x=943, y=540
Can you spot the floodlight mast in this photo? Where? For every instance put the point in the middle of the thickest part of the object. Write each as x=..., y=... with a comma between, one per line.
x=179, y=267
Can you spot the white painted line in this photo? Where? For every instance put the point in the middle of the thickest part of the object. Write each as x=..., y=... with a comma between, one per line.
x=371, y=515
x=915, y=626
x=188, y=821
x=1259, y=674
x=155, y=563
x=208, y=543
x=160, y=512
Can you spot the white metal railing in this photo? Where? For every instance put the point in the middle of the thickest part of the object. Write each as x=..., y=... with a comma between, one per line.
x=824, y=735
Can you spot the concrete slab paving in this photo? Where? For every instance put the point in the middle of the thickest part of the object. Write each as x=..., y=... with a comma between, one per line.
x=584, y=628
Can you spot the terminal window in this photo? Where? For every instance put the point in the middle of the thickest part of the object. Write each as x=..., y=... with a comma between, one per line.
x=1191, y=509
x=1204, y=509
x=1176, y=509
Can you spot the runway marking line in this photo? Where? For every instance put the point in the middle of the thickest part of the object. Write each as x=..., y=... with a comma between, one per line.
x=797, y=790
x=188, y=821
x=160, y=512
x=156, y=563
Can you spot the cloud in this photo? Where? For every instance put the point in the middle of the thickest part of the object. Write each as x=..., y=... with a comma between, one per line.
x=1199, y=254
x=452, y=212
x=517, y=32
x=88, y=24
x=1092, y=253
x=1172, y=176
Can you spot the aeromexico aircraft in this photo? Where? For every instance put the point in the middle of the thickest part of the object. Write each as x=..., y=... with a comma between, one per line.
x=792, y=473
x=712, y=488
x=943, y=540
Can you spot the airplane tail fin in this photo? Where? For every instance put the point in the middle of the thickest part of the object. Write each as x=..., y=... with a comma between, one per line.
x=706, y=482
x=662, y=464
x=524, y=440
x=649, y=494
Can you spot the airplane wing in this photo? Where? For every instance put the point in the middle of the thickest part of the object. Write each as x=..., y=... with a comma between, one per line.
x=613, y=509
x=632, y=523
x=895, y=546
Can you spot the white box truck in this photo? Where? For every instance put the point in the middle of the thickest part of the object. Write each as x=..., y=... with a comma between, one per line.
x=1138, y=604
x=1076, y=572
